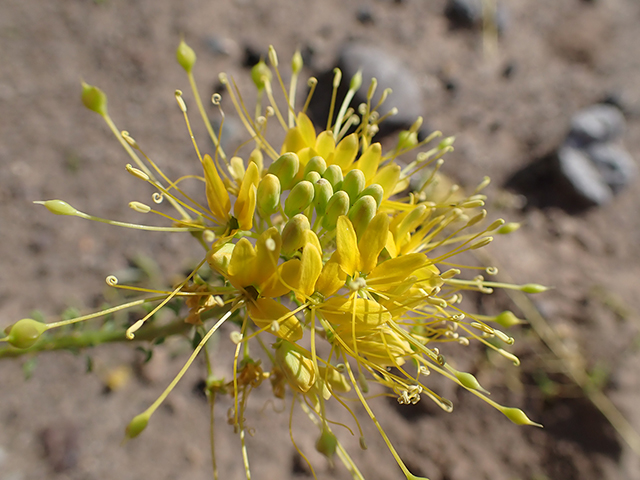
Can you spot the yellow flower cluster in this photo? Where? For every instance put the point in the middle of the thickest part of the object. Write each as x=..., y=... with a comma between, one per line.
x=323, y=255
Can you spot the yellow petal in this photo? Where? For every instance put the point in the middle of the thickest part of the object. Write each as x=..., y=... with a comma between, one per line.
x=345, y=153
x=390, y=246
x=369, y=161
x=307, y=130
x=246, y=203
x=310, y=270
x=265, y=311
x=395, y=270
x=267, y=254
x=331, y=279
x=293, y=141
x=368, y=314
x=241, y=268
x=347, y=254
x=217, y=195
x=283, y=280
x=325, y=144
x=373, y=242
x=387, y=177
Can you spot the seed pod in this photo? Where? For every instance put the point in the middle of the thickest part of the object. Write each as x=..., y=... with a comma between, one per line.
x=327, y=443
x=137, y=425
x=315, y=164
x=59, y=207
x=293, y=234
x=186, y=56
x=517, y=416
x=406, y=140
x=362, y=213
x=323, y=192
x=333, y=173
x=353, y=184
x=94, y=99
x=25, y=333
x=299, y=198
x=508, y=228
x=268, y=195
x=507, y=319
x=296, y=62
x=533, y=288
x=285, y=168
x=260, y=74
x=375, y=191
x=338, y=205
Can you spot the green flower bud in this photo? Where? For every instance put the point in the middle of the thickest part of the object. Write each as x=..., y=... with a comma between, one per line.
x=517, y=416
x=362, y=213
x=186, y=56
x=533, y=288
x=296, y=62
x=137, y=425
x=315, y=164
x=376, y=191
x=94, y=99
x=312, y=177
x=406, y=140
x=59, y=207
x=333, y=173
x=353, y=184
x=285, y=168
x=25, y=333
x=260, y=73
x=507, y=319
x=293, y=234
x=268, y=195
x=299, y=198
x=323, y=192
x=327, y=443
x=337, y=205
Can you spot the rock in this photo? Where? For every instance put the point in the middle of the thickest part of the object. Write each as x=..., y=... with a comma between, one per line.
x=390, y=73
x=597, y=123
x=582, y=176
x=364, y=15
x=469, y=14
x=614, y=164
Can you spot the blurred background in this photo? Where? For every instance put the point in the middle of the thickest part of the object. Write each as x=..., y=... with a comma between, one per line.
x=542, y=96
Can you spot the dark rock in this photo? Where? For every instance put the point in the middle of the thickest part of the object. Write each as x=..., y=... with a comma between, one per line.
x=364, y=15
x=469, y=14
x=61, y=445
x=597, y=123
x=582, y=176
x=614, y=164
x=509, y=70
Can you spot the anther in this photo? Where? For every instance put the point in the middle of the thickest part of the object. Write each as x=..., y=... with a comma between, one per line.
x=216, y=98
x=136, y=172
x=139, y=207
x=180, y=101
x=157, y=197
x=112, y=280
x=129, y=139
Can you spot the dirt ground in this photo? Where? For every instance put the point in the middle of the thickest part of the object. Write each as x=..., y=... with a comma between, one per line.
x=507, y=109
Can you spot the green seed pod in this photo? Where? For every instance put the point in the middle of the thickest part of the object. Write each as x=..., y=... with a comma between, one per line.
x=260, y=73
x=315, y=164
x=376, y=191
x=333, y=173
x=186, y=56
x=268, y=195
x=59, y=207
x=137, y=425
x=25, y=333
x=517, y=416
x=353, y=184
x=323, y=192
x=285, y=168
x=469, y=381
x=299, y=198
x=362, y=213
x=507, y=319
x=356, y=81
x=508, y=228
x=406, y=140
x=337, y=205
x=94, y=99
x=293, y=234
x=533, y=288
x=327, y=443
x=312, y=177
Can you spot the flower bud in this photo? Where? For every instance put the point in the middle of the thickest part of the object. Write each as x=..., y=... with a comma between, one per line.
x=186, y=56
x=353, y=184
x=285, y=168
x=507, y=319
x=25, y=333
x=137, y=425
x=375, y=191
x=338, y=205
x=259, y=74
x=299, y=198
x=327, y=443
x=268, y=195
x=323, y=192
x=312, y=177
x=362, y=213
x=293, y=234
x=333, y=173
x=315, y=164
x=94, y=99
x=59, y=207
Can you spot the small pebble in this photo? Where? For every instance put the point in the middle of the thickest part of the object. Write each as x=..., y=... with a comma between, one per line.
x=469, y=14
x=614, y=163
x=61, y=445
x=597, y=123
x=364, y=15
x=583, y=176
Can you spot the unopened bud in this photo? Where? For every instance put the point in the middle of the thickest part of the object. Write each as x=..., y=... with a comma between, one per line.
x=285, y=168
x=315, y=164
x=186, y=56
x=353, y=184
x=94, y=99
x=333, y=174
x=375, y=191
x=338, y=205
x=293, y=234
x=312, y=177
x=362, y=213
x=268, y=195
x=260, y=74
x=323, y=192
x=299, y=198
x=25, y=333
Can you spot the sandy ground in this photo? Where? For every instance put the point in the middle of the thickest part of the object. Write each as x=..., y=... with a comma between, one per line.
x=562, y=55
